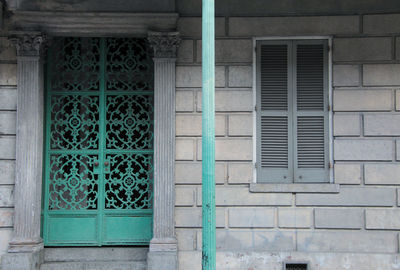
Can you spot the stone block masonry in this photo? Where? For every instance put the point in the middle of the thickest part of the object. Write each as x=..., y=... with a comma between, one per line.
x=358, y=218
x=346, y=75
x=8, y=106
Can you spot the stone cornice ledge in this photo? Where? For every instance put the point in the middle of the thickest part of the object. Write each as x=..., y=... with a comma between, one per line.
x=294, y=188
x=94, y=23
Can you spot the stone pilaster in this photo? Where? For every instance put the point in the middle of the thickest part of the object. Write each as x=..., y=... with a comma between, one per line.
x=26, y=246
x=163, y=246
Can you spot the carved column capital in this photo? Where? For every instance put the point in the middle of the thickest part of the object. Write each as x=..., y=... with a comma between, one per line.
x=29, y=44
x=164, y=44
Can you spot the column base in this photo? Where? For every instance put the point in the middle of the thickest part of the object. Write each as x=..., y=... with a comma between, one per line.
x=163, y=254
x=24, y=246
x=22, y=261
x=166, y=260
x=23, y=255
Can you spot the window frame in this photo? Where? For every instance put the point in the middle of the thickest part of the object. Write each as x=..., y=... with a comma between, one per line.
x=256, y=41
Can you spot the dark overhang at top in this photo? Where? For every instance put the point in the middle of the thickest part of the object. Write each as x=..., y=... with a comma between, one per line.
x=223, y=7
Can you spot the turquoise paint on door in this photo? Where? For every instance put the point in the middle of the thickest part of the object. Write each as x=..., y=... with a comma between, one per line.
x=99, y=142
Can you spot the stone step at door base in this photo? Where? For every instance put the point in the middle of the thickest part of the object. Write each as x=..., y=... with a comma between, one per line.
x=94, y=266
x=102, y=258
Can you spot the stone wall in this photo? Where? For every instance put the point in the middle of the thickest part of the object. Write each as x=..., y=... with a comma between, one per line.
x=362, y=218
x=8, y=106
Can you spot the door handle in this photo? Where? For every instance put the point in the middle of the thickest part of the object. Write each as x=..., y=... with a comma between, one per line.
x=106, y=163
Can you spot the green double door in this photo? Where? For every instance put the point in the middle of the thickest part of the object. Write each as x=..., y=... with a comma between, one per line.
x=99, y=142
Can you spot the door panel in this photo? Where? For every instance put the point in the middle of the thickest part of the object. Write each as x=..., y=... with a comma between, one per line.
x=129, y=122
x=74, y=122
x=99, y=142
x=72, y=183
x=75, y=229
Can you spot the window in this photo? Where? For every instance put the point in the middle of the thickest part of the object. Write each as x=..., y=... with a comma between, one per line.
x=292, y=111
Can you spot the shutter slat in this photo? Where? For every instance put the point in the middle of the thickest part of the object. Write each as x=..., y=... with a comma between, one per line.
x=274, y=77
x=310, y=142
x=274, y=142
x=310, y=77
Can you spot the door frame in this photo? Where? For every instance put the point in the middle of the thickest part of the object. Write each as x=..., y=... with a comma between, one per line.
x=25, y=241
x=92, y=227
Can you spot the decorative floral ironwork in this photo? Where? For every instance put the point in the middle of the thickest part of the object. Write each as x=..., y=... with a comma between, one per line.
x=100, y=111
x=129, y=66
x=75, y=64
x=72, y=183
x=129, y=183
x=74, y=122
x=129, y=122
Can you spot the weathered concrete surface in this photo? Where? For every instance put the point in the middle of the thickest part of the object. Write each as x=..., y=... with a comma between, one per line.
x=96, y=265
x=382, y=174
x=350, y=196
x=363, y=149
x=7, y=50
x=382, y=124
x=347, y=125
x=230, y=149
x=240, y=173
x=191, y=26
x=186, y=239
x=190, y=173
x=85, y=254
x=382, y=219
x=338, y=218
x=112, y=258
x=230, y=50
x=8, y=74
x=191, y=217
x=346, y=75
x=184, y=149
x=184, y=196
x=347, y=241
x=295, y=217
x=362, y=49
x=381, y=74
x=252, y=240
x=231, y=101
x=282, y=26
x=184, y=101
x=379, y=23
x=8, y=99
x=190, y=124
x=273, y=260
x=347, y=173
x=7, y=123
x=190, y=76
x=362, y=100
x=256, y=217
x=240, y=196
x=7, y=172
x=22, y=261
x=185, y=52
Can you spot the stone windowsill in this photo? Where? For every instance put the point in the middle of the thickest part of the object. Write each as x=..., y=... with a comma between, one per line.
x=294, y=188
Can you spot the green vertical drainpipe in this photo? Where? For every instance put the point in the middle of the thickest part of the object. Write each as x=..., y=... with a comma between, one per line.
x=208, y=136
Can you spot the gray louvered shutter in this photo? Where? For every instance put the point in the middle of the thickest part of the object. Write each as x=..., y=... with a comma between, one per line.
x=310, y=112
x=274, y=113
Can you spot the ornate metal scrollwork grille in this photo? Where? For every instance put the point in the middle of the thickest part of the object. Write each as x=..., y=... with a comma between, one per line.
x=99, y=124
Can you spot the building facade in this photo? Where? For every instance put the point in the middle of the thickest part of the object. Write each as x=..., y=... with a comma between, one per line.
x=100, y=135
